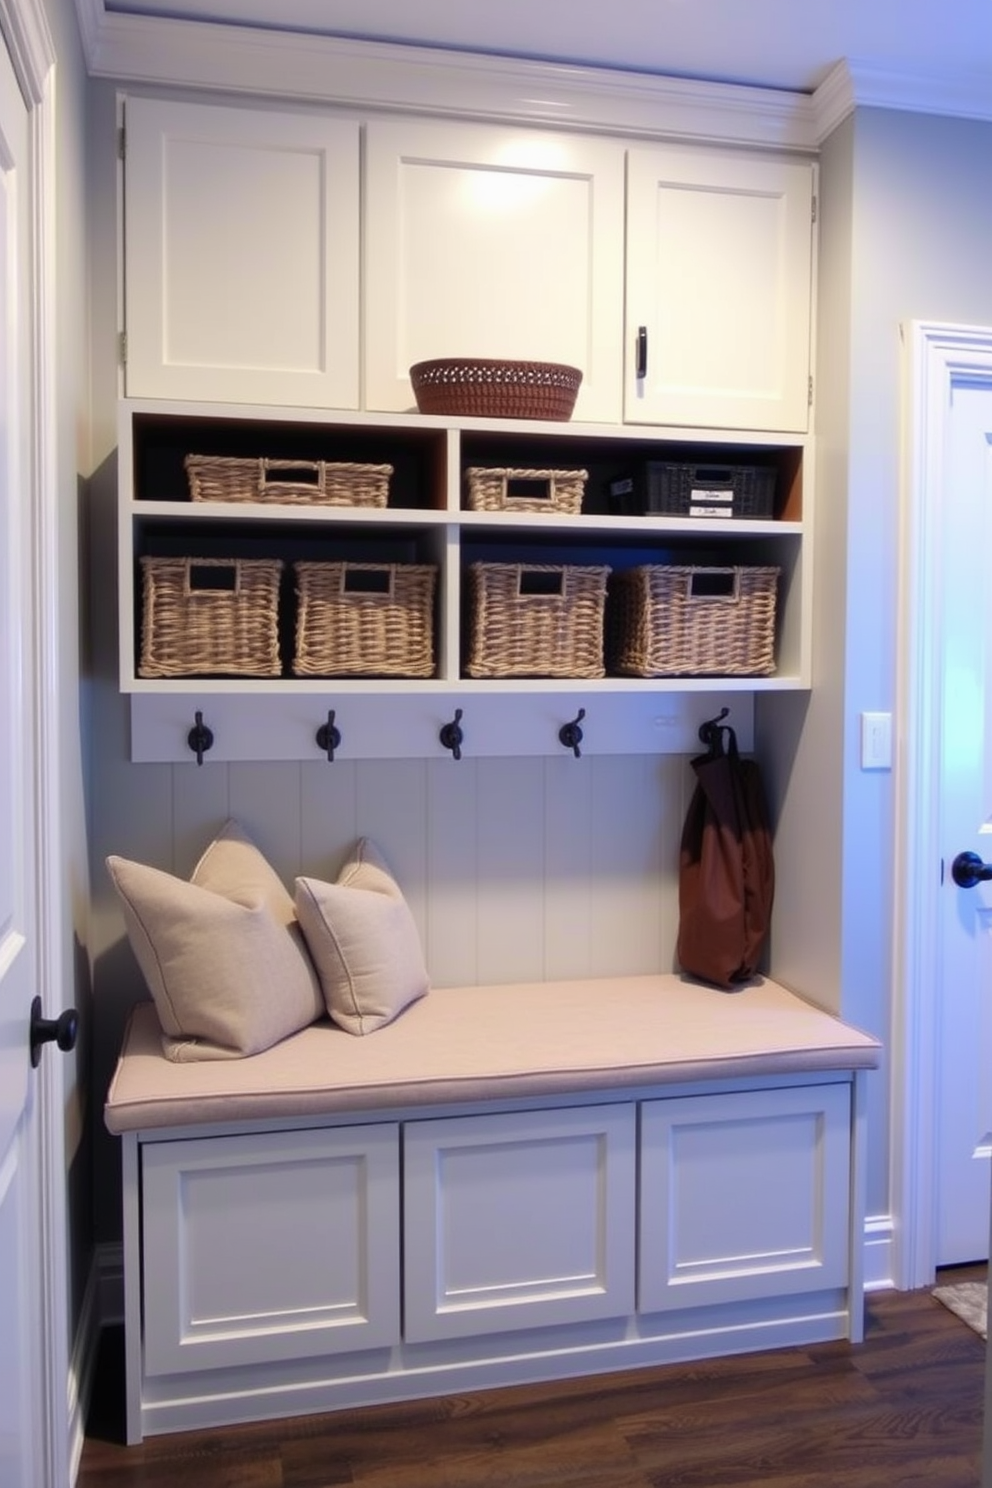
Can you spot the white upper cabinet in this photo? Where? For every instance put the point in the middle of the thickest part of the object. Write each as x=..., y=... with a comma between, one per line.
x=719, y=267
x=492, y=242
x=242, y=255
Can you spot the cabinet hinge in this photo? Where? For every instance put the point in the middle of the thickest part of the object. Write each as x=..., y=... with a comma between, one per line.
x=809, y=396
x=814, y=208
x=122, y=347
x=121, y=143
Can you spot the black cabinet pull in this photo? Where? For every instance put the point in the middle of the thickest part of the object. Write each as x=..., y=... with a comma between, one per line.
x=642, y=351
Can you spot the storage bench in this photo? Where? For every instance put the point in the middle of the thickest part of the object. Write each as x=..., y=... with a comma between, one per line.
x=507, y=1184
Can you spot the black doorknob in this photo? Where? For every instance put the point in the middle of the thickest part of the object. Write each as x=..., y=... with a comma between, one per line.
x=62, y=1030
x=967, y=870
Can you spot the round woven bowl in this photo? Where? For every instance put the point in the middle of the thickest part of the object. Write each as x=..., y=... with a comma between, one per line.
x=486, y=388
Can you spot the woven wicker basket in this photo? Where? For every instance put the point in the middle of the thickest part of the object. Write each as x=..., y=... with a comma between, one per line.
x=287, y=482
x=537, y=620
x=365, y=619
x=525, y=490
x=206, y=617
x=670, y=620
x=487, y=388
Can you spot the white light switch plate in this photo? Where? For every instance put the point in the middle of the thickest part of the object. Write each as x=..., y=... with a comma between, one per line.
x=876, y=741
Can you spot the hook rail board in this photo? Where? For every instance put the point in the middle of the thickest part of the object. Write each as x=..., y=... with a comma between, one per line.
x=245, y=727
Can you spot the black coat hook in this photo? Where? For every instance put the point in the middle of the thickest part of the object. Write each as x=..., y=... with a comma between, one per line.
x=711, y=733
x=329, y=737
x=570, y=734
x=200, y=738
x=451, y=735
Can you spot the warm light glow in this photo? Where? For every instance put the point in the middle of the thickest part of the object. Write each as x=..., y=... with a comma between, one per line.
x=516, y=178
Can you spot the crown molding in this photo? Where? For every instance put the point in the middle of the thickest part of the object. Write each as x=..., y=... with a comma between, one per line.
x=833, y=100
x=377, y=75
x=199, y=55
x=852, y=84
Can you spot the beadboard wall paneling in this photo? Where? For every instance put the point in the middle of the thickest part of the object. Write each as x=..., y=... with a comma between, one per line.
x=451, y=837
x=511, y=836
x=637, y=823
x=515, y=869
x=570, y=896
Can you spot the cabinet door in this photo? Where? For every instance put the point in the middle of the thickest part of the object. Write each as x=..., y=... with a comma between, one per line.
x=719, y=273
x=493, y=242
x=268, y=1247
x=743, y=1196
x=241, y=246
x=517, y=1220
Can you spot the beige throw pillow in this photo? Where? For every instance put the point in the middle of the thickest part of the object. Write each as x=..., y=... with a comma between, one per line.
x=223, y=955
x=363, y=941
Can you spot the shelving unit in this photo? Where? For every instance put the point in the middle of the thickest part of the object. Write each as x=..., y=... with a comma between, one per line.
x=426, y=521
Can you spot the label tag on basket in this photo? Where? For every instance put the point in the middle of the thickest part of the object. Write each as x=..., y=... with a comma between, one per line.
x=710, y=502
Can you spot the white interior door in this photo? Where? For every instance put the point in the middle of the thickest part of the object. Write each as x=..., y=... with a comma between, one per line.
x=21, y=1366
x=964, y=981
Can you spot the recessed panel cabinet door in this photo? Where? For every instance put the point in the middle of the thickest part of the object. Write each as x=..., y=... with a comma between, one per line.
x=517, y=1220
x=719, y=274
x=493, y=242
x=241, y=255
x=276, y=1246
x=743, y=1195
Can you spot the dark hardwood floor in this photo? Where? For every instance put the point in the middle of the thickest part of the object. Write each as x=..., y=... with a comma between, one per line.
x=901, y=1410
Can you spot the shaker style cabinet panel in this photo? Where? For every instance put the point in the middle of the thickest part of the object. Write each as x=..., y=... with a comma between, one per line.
x=242, y=255
x=518, y=1220
x=744, y=1196
x=719, y=266
x=270, y=1247
x=492, y=242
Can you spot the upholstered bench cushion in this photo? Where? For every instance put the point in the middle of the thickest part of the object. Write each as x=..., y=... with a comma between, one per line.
x=478, y=1043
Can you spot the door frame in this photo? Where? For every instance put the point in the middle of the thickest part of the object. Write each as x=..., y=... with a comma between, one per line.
x=25, y=31
x=936, y=356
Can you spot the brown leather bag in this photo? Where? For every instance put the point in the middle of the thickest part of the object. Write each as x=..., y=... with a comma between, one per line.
x=726, y=866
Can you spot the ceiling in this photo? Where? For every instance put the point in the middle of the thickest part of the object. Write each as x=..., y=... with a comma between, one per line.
x=788, y=44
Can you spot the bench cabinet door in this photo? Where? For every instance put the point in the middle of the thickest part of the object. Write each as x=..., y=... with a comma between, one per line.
x=274, y=1246
x=743, y=1196
x=518, y=1220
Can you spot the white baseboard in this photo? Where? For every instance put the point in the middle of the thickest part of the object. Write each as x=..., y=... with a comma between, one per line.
x=879, y=1252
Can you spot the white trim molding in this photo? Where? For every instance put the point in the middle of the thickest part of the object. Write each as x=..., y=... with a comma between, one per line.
x=430, y=80
x=29, y=41
x=935, y=357
x=879, y=1253
x=427, y=80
